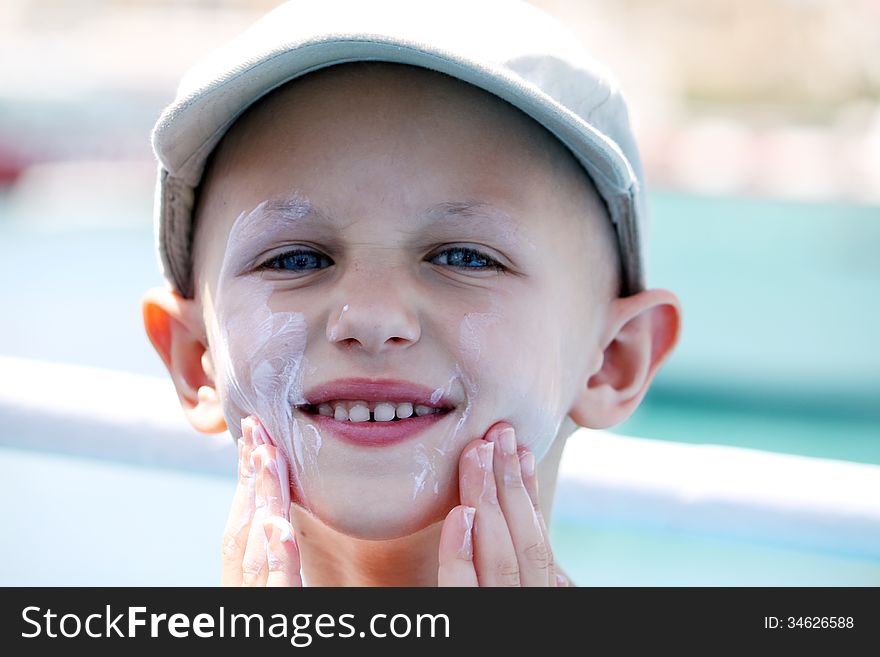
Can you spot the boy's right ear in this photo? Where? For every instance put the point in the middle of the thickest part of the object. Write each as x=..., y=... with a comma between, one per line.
x=177, y=331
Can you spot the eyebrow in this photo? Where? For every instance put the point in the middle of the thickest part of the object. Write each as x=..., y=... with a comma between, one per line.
x=466, y=210
x=298, y=208
x=293, y=208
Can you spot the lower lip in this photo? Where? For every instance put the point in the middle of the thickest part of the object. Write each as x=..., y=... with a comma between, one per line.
x=376, y=434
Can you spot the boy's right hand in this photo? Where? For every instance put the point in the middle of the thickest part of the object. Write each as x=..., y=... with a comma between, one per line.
x=259, y=548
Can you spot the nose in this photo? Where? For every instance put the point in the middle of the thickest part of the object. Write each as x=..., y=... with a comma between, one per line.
x=375, y=318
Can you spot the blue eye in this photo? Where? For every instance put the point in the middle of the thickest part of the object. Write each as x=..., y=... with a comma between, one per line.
x=464, y=258
x=302, y=260
x=299, y=260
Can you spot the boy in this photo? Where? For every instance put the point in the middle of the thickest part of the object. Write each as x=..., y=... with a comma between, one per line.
x=400, y=292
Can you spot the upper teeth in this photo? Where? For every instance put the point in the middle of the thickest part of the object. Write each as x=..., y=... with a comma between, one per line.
x=361, y=411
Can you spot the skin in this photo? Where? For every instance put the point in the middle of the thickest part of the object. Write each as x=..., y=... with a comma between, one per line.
x=374, y=145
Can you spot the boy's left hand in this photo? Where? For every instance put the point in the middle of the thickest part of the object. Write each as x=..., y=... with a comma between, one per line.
x=497, y=536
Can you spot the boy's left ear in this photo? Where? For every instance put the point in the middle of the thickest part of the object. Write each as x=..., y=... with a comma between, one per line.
x=640, y=333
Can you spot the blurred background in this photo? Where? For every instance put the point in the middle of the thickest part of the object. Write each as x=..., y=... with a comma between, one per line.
x=755, y=458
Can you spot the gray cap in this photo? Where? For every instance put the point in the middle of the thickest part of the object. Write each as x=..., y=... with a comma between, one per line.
x=506, y=47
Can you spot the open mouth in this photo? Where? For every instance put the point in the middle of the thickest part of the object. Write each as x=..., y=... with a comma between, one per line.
x=372, y=411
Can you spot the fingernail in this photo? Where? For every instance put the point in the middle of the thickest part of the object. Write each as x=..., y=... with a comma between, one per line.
x=485, y=453
x=247, y=431
x=246, y=465
x=259, y=438
x=507, y=438
x=560, y=580
x=268, y=464
x=466, y=551
x=527, y=461
x=257, y=463
x=270, y=467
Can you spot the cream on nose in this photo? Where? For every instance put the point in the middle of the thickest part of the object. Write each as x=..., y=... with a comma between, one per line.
x=332, y=329
x=375, y=327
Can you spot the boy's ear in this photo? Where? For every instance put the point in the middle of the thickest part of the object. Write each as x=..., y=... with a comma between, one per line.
x=640, y=333
x=176, y=329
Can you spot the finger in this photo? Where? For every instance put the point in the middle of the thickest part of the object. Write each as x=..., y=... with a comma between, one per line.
x=238, y=522
x=530, y=481
x=494, y=556
x=269, y=462
x=531, y=545
x=282, y=553
x=254, y=566
x=457, y=549
x=262, y=436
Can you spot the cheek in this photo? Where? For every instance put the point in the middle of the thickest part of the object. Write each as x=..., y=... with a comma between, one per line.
x=512, y=363
x=261, y=358
x=260, y=361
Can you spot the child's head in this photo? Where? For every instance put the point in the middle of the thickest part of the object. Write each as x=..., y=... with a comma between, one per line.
x=380, y=221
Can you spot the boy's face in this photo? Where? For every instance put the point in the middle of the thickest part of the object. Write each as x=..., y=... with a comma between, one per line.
x=349, y=225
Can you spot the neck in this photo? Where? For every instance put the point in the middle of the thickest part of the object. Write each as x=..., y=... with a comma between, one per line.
x=330, y=558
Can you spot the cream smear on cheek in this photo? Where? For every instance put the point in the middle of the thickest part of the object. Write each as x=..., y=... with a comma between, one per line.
x=512, y=364
x=259, y=357
x=520, y=382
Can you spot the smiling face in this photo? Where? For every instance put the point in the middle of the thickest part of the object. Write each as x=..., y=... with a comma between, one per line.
x=382, y=222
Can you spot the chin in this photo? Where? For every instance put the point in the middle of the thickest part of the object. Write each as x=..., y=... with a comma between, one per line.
x=367, y=518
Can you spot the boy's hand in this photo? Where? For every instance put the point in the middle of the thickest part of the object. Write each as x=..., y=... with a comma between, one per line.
x=259, y=548
x=497, y=536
